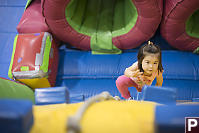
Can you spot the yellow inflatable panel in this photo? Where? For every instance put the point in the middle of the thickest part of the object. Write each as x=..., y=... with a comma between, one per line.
x=36, y=82
x=102, y=117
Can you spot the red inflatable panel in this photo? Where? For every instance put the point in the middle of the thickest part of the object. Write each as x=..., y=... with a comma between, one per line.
x=32, y=20
x=35, y=57
x=173, y=26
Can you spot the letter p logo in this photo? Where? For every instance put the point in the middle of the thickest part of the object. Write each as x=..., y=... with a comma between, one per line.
x=192, y=125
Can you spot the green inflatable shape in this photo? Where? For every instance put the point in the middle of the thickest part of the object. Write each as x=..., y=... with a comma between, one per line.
x=196, y=51
x=102, y=20
x=28, y=3
x=192, y=25
x=13, y=90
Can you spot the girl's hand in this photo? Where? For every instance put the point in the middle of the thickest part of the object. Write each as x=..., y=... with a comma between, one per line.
x=130, y=73
x=136, y=73
x=136, y=76
x=140, y=81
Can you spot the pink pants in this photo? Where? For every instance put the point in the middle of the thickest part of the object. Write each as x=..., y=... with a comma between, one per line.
x=123, y=83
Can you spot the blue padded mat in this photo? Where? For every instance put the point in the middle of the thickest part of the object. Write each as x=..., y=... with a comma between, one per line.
x=51, y=95
x=161, y=95
x=15, y=116
x=173, y=120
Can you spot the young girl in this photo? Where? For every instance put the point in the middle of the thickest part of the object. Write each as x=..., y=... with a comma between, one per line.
x=143, y=72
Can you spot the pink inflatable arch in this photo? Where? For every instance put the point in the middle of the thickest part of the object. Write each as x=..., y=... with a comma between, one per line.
x=144, y=22
x=32, y=20
x=180, y=24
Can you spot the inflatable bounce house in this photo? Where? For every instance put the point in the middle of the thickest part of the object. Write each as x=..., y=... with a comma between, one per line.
x=60, y=59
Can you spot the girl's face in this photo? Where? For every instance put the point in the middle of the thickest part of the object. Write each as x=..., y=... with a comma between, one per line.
x=150, y=63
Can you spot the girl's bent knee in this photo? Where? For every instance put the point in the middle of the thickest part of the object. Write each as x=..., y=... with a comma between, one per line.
x=121, y=78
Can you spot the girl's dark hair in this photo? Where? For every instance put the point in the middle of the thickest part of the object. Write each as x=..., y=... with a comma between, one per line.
x=149, y=48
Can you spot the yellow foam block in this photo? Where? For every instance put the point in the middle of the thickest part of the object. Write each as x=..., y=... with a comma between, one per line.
x=36, y=82
x=101, y=117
